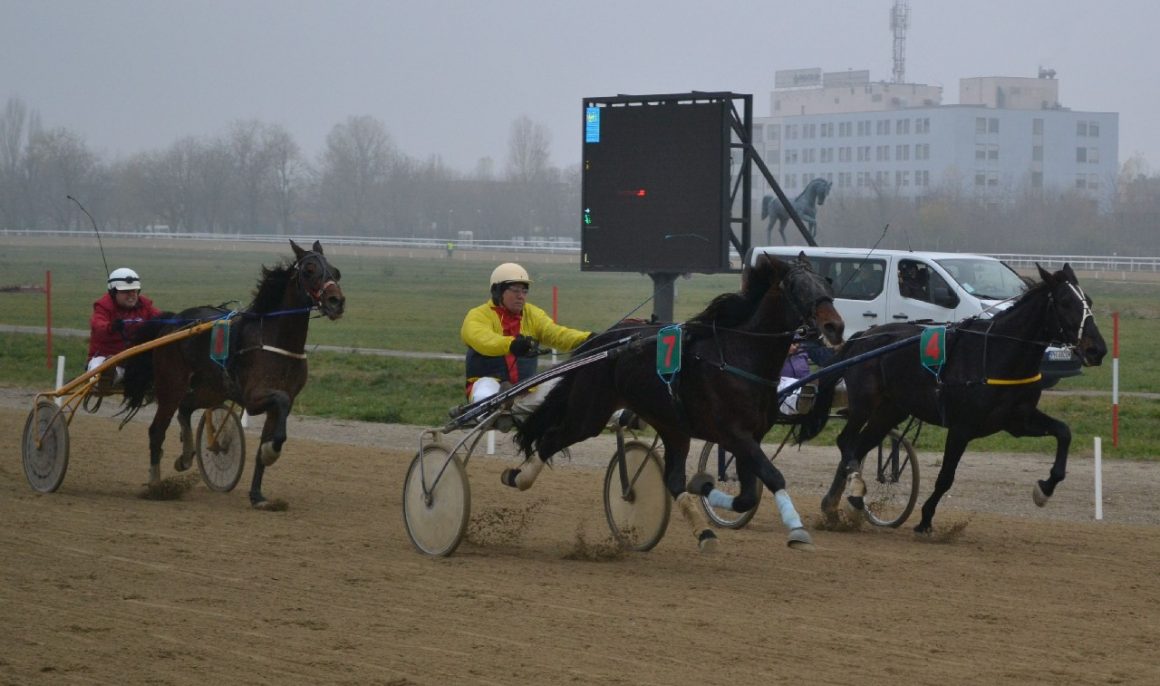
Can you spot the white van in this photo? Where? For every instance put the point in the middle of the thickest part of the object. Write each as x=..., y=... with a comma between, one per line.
x=884, y=286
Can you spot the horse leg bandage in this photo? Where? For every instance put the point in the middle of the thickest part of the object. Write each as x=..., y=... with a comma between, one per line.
x=706, y=538
x=720, y=500
x=789, y=515
x=267, y=454
x=525, y=476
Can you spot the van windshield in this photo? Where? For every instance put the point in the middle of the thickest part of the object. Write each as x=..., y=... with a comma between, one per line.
x=984, y=279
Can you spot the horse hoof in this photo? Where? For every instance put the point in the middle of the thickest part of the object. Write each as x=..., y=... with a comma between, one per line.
x=799, y=539
x=855, y=507
x=182, y=465
x=701, y=484
x=270, y=505
x=154, y=473
x=707, y=542
x=508, y=477
x=1039, y=496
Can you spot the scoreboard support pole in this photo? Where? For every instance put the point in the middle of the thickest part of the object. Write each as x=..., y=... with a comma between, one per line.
x=664, y=291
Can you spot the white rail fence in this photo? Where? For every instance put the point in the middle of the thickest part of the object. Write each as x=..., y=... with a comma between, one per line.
x=1119, y=263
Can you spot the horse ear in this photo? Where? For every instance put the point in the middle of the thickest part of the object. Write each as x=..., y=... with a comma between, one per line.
x=803, y=258
x=298, y=252
x=1044, y=275
x=1068, y=273
x=317, y=247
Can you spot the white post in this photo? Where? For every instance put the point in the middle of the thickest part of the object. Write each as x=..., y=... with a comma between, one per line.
x=1099, y=481
x=491, y=442
x=59, y=375
x=245, y=419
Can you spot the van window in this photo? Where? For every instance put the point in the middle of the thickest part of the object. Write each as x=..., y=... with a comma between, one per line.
x=852, y=278
x=916, y=280
x=984, y=279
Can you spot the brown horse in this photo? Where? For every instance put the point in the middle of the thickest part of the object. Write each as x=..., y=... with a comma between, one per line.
x=725, y=392
x=266, y=368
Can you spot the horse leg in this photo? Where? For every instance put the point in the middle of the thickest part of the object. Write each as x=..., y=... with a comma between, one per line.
x=704, y=485
x=1036, y=423
x=167, y=403
x=775, y=482
x=781, y=229
x=184, y=416
x=676, y=452
x=524, y=476
x=956, y=444
x=847, y=467
x=276, y=405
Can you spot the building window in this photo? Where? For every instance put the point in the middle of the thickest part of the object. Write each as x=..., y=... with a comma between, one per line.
x=845, y=154
x=882, y=153
x=922, y=125
x=827, y=155
x=1037, y=153
x=773, y=156
x=1093, y=182
x=845, y=129
x=883, y=127
x=1081, y=154
x=774, y=131
x=922, y=151
x=1036, y=179
x=791, y=156
x=809, y=155
x=828, y=130
x=1037, y=127
x=1081, y=181
x=980, y=179
x=902, y=179
x=993, y=153
x=980, y=125
x=980, y=152
x=791, y=131
x=1093, y=155
x=993, y=125
x=922, y=178
x=902, y=126
x=1093, y=129
x=1081, y=128
x=902, y=153
x=809, y=130
x=864, y=128
x=992, y=180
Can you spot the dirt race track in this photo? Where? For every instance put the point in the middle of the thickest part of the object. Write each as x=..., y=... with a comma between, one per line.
x=100, y=586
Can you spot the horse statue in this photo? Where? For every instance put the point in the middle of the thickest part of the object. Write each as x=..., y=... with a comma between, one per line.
x=265, y=371
x=725, y=391
x=987, y=382
x=806, y=202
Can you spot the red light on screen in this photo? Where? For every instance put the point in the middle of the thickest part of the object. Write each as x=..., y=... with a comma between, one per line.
x=633, y=193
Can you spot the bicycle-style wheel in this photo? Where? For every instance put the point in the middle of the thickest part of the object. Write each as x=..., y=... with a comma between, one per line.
x=436, y=516
x=220, y=446
x=44, y=448
x=721, y=464
x=639, y=513
x=890, y=472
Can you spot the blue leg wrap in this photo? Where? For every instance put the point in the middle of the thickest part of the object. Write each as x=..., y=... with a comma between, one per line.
x=719, y=499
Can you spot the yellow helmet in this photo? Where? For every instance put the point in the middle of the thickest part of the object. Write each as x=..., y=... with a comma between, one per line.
x=510, y=272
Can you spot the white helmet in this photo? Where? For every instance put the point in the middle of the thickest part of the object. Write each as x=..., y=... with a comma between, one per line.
x=510, y=272
x=124, y=279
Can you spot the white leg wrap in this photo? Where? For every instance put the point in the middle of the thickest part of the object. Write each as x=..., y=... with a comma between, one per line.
x=720, y=500
x=789, y=515
x=529, y=470
x=267, y=454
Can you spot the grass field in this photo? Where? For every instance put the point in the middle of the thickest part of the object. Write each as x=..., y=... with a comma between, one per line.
x=415, y=301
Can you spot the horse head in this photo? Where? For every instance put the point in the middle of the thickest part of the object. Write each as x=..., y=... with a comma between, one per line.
x=812, y=297
x=823, y=189
x=1075, y=325
x=319, y=280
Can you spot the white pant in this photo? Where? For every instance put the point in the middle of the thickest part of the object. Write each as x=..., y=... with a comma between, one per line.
x=100, y=360
x=524, y=405
x=789, y=405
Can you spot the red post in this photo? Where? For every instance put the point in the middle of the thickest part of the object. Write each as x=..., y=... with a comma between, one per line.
x=1115, y=379
x=555, y=301
x=48, y=315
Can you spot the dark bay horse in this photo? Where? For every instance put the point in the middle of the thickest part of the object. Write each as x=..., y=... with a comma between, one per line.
x=266, y=368
x=806, y=203
x=987, y=384
x=725, y=391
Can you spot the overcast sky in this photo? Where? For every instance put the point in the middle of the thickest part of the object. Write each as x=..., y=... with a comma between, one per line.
x=448, y=78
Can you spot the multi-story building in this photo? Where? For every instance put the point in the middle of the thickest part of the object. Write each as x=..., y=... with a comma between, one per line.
x=1007, y=136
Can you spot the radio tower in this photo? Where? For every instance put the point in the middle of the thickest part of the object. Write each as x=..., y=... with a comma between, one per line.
x=899, y=19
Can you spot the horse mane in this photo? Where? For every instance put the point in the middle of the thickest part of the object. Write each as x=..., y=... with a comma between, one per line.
x=271, y=286
x=733, y=309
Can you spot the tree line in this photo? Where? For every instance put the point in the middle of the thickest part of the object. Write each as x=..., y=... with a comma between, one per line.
x=253, y=178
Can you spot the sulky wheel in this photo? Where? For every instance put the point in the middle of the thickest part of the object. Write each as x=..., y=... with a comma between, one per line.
x=638, y=505
x=722, y=465
x=890, y=472
x=220, y=447
x=436, y=501
x=45, y=447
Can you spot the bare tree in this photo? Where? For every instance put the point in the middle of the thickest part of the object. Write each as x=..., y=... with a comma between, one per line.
x=354, y=169
x=528, y=145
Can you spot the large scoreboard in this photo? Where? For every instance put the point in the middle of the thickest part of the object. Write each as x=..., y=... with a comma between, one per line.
x=655, y=185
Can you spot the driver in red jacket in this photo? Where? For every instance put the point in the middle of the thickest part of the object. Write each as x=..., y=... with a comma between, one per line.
x=116, y=316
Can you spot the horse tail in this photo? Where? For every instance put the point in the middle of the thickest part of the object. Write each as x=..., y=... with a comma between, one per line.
x=546, y=419
x=138, y=381
x=812, y=422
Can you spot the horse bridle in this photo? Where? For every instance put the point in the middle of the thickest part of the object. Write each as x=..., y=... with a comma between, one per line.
x=1087, y=313
x=806, y=311
x=326, y=278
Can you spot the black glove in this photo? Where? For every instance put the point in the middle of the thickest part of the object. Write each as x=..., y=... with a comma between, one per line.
x=118, y=325
x=522, y=346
